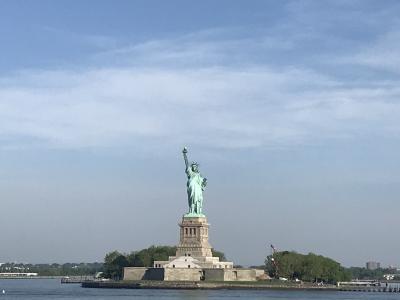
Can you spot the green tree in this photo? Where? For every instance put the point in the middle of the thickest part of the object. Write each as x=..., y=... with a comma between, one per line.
x=219, y=254
x=308, y=267
x=146, y=257
x=363, y=273
x=114, y=264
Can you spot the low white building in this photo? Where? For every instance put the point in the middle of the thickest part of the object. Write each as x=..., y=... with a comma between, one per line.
x=13, y=274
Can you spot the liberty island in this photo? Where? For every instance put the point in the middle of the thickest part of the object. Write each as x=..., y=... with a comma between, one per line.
x=195, y=267
x=193, y=260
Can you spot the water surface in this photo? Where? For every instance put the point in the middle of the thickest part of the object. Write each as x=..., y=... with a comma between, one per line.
x=53, y=289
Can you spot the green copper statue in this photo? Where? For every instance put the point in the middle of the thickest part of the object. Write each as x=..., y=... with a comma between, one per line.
x=195, y=187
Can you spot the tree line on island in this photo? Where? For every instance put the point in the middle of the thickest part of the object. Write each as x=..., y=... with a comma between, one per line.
x=309, y=267
x=115, y=262
x=317, y=268
x=288, y=264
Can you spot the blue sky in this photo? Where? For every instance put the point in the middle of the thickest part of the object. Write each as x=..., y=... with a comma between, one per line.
x=291, y=108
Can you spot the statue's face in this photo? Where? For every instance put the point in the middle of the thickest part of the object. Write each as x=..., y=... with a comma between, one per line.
x=194, y=168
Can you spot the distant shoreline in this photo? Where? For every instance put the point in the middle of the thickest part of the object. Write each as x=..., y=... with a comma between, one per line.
x=40, y=277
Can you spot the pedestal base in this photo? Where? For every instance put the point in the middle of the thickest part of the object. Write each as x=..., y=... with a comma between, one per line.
x=193, y=251
x=194, y=237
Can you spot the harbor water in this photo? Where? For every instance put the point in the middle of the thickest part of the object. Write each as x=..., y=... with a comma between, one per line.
x=53, y=289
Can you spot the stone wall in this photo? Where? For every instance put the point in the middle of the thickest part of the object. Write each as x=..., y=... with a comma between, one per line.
x=260, y=273
x=189, y=274
x=155, y=274
x=230, y=275
x=142, y=273
x=243, y=274
x=180, y=274
x=214, y=274
x=134, y=273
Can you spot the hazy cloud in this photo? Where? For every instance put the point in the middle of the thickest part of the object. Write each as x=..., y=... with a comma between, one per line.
x=232, y=106
x=225, y=107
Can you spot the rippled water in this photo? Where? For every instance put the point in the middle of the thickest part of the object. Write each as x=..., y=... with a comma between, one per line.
x=53, y=289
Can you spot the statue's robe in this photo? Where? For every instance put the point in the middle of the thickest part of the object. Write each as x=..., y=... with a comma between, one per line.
x=195, y=190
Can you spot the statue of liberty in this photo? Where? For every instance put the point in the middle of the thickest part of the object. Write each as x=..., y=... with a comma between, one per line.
x=195, y=186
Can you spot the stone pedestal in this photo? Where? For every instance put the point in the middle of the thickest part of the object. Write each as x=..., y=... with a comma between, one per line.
x=193, y=250
x=194, y=237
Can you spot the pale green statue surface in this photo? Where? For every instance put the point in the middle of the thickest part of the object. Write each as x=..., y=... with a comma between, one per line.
x=195, y=187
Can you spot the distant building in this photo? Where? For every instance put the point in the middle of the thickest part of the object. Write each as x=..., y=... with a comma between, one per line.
x=389, y=276
x=17, y=275
x=373, y=265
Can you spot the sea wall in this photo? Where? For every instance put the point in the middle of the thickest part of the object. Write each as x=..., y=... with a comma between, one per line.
x=181, y=274
x=230, y=274
x=143, y=273
x=188, y=274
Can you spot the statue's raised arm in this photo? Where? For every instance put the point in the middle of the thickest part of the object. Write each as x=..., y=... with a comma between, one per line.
x=184, y=151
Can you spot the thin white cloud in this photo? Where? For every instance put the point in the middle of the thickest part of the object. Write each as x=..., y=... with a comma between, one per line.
x=204, y=88
x=383, y=54
x=220, y=107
